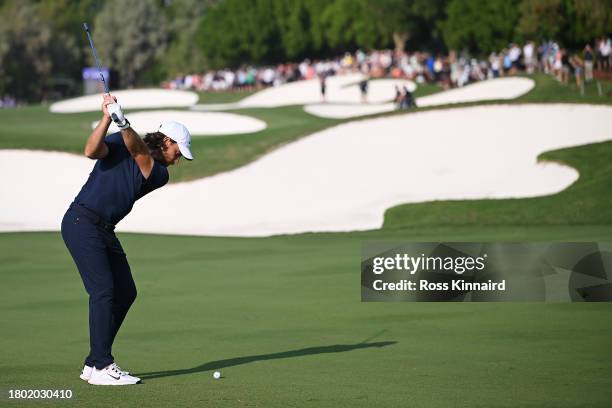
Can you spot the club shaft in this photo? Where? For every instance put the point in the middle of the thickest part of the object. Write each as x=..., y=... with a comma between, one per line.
x=95, y=54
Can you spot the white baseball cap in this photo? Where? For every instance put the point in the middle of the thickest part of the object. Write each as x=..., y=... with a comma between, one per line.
x=179, y=133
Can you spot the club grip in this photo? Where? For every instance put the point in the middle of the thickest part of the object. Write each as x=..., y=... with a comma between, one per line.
x=86, y=26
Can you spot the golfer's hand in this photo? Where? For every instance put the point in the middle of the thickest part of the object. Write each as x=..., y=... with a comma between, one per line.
x=117, y=115
x=108, y=99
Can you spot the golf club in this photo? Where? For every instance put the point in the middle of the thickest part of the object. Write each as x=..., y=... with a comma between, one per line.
x=95, y=54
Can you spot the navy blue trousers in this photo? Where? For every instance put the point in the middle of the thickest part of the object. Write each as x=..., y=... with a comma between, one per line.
x=106, y=274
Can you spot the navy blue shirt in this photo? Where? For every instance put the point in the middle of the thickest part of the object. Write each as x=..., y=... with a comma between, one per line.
x=116, y=182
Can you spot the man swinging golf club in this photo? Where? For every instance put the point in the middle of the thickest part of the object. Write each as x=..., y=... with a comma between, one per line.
x=127, y=168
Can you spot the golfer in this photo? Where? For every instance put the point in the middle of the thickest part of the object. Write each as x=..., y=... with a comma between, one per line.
x=127, y=168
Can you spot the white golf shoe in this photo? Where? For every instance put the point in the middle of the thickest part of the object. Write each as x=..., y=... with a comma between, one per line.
x=111, y=375
x=86, y=373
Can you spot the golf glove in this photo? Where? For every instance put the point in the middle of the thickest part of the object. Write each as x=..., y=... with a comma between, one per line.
x=115, y=112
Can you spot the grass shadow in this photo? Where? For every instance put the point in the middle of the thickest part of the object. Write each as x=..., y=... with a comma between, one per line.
x=230, y=362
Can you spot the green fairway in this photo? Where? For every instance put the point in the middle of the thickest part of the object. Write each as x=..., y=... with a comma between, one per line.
x=281, y=319
x=222, y=96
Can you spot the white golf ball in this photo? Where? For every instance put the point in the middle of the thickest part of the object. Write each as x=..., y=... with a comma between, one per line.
x=217, y=375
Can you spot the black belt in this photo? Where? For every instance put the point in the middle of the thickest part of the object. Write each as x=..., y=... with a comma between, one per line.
x=92, y=215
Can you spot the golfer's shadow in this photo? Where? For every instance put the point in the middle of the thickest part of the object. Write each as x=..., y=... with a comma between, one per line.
x=230, y=362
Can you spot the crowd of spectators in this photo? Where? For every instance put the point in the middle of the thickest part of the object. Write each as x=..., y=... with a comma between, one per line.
x=449, y=71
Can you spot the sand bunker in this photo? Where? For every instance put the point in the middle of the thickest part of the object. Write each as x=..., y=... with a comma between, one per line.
x=344, y=110
x=129, y=99
x=340, y=89
x=339, y=179
x=198, y=123
x=53, y=189
x=495, y=89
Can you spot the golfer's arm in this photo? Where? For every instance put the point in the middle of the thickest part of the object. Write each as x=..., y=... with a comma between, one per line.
x=95, y=148
x=139, y=151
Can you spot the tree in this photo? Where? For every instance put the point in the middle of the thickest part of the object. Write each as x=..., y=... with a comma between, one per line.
x=350, y=24
x=588, y=19
x=218, y=36
x=70, y=47
x=380, y=23
x=184, y=18
x=26, y=42
x=130, y=36
x=541, y=19
x=402, y=20
x=236, y=32
x=572, y=22
x=316, y=31
x=480, y=26
x=293, y=20
x=266, y=31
